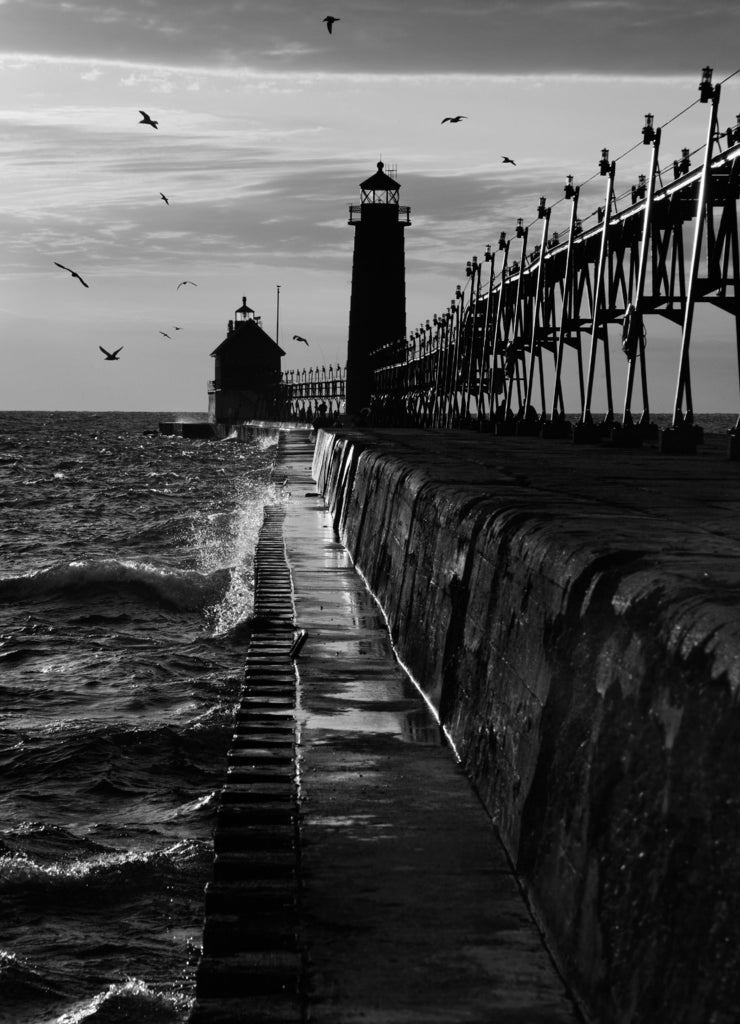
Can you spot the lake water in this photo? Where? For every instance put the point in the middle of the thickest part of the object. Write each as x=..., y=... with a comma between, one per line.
x=125, y=597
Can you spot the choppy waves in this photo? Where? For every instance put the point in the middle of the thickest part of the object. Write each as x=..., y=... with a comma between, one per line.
x=132, y=1000
x=23, y=984
x=125, y=609
x=98, y=874
x=87, y=901
x=84, y=580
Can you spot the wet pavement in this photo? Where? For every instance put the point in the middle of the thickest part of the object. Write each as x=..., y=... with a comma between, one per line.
x=409, y=908
x=357, y=876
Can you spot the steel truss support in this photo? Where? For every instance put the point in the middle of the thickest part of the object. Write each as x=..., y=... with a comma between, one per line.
x=482, y=362
x=681, y=436
x=568, y=331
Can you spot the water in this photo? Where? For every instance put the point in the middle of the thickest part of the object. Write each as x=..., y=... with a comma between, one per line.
x=125, y=596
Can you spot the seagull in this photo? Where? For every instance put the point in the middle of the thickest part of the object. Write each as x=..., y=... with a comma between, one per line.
x=145, y=119
x=165, y=335
x=176, y=328
x=329, y=19
x=508, y=160
x=186, y=282
x=72, y=272
x=165, y=198
x=455, y=119
x=297, y=337
x=110, y=355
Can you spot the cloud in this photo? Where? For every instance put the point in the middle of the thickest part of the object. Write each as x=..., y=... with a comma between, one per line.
x=417, y=36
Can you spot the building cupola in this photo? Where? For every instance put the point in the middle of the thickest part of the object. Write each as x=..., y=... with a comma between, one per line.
x=244, y=314
x=379, y=187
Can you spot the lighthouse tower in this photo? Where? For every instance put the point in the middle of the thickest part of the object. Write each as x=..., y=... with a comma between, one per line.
x=377, y=312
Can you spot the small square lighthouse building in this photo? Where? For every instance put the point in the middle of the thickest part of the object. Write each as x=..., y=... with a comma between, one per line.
x=246, y=384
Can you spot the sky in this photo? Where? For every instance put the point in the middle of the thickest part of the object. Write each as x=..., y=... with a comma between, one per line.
x=267, y=125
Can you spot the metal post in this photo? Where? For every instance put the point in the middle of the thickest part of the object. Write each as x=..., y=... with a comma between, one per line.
x=517, y=300
x=484, y=348
x=496, y=332
x=437, y=405
x=565, y=316
x=277, y=317
x=452, y=384
x=473, y=312
x=598, y=302
x=639, y=348
x=534, y=342
x=683, y=385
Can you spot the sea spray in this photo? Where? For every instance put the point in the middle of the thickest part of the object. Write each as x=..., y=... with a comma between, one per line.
x=230, y=542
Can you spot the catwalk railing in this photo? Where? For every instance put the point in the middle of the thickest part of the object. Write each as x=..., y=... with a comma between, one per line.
x=504, y=353
x=308, y=394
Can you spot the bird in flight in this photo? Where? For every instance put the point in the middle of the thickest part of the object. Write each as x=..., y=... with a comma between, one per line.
x=508, y=160
x=165, y=335
x=145, y=119
x=176, y=328
x=455, y=119
x=165, y=198
x=110, y=355
x=72, y=272
x=186, y=282
x=330, y=19
x=297, y=337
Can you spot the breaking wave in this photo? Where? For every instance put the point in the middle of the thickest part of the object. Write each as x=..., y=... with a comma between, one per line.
x=184, y=589
x=132, y=1000
x=108, y=874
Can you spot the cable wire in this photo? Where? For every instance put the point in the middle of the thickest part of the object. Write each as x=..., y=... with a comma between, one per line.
x=637, y=145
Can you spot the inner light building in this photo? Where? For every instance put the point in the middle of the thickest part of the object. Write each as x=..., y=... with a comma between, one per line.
x=247, y=372
x=377, y=313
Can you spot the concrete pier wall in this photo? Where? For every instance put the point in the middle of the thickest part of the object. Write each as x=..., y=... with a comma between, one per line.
x=584, y=656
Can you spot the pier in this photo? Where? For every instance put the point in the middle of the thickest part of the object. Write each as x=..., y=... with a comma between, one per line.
x=485, y=762
x=495, y=777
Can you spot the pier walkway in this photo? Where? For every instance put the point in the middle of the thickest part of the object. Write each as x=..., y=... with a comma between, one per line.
x=381, y=892
x=357, y=875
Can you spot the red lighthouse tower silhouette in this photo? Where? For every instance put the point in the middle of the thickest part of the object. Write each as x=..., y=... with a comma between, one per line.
x=377, y=312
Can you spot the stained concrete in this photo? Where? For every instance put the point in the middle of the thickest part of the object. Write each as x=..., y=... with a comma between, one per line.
x=571, y=612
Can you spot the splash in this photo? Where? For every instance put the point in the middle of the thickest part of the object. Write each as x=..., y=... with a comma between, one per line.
x=131, y=1000
x=229, y=540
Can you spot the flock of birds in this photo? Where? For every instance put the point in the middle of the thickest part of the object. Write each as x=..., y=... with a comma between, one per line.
x=114, y=355
x=330, y=21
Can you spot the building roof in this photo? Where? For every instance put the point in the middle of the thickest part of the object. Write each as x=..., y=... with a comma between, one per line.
x=248, y=331
x=380, y=181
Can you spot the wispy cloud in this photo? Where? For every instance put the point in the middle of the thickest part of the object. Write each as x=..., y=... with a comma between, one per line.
x=150, y=72
x=418, y=36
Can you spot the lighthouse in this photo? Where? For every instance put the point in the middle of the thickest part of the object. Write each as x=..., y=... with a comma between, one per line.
x=377, y=312
x=247, y=371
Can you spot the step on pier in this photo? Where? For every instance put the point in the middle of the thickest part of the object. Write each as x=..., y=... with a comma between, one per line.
x=252, y=966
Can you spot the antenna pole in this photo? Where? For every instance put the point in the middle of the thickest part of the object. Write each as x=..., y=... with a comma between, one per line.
x=277, y=317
